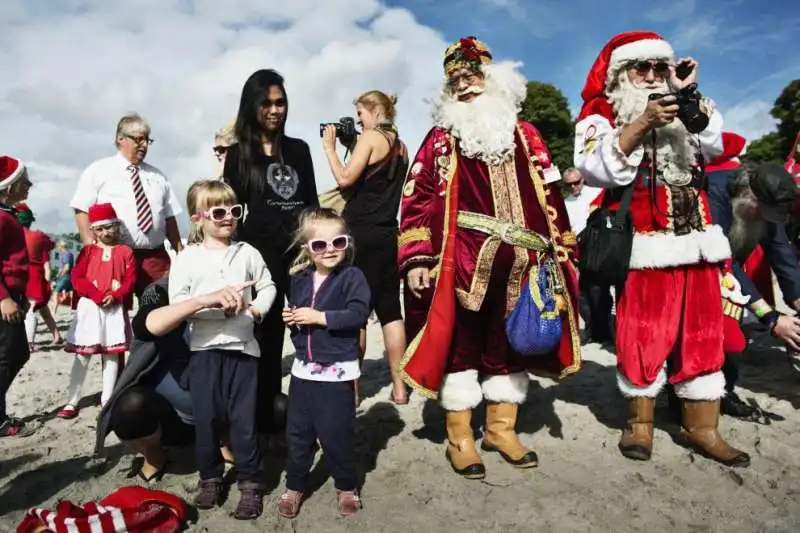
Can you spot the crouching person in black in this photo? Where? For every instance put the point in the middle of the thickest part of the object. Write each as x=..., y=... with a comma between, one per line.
x=149, y=409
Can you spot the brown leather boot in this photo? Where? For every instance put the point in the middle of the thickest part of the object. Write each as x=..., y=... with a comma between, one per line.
x=501, y=437
x=637, y=439
x=461, y=452
x=700, y=422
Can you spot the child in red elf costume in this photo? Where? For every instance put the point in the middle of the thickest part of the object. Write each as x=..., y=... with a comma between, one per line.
x=104, y=278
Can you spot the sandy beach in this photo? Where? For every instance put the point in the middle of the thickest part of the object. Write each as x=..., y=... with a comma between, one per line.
x=582, y=485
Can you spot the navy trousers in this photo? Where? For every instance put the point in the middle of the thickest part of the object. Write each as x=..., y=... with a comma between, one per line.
x=224, y=386
x=324, y=410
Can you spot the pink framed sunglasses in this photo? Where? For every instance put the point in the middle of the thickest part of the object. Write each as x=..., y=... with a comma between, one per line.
x=220, y=213
x=319, y=246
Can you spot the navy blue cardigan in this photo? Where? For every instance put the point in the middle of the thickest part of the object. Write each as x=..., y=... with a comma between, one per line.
x=344, y=297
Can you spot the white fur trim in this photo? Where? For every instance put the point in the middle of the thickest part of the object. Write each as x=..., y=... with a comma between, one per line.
x=735, y=294
x=659, y=250
x=629, y=390
x=708, y=388
x=511, y=388
x=461, y=391
x=644, y=49
x=11, y=179
x=103, y=222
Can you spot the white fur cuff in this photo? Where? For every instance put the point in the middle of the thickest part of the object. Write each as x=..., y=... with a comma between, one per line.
x=512, y=388
x=660, y=250
x=629, y=390
x=709, y=387
x=460, y=391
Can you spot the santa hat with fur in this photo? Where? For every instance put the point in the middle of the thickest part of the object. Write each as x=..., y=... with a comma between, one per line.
x=733, y=148
x=618, y=52
x=102, y=215
x=11, y=170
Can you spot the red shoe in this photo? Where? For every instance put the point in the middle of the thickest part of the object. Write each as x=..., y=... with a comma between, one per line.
x=68, y=412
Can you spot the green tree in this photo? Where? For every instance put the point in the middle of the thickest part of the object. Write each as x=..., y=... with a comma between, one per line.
x=548, y=109
x=775, y=146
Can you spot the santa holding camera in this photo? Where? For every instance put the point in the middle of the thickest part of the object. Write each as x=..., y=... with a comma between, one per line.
x=669, y=311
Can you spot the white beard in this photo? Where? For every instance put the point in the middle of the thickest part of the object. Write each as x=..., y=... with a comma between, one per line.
x=747, y=229
x=676, y=149
x=485, y=126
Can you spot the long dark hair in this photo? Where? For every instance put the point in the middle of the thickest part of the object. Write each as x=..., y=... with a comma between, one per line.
x=248, y=129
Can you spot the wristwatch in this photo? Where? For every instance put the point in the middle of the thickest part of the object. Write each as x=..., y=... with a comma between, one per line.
x=771, y=320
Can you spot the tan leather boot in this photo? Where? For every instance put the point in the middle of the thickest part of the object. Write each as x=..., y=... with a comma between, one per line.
x=500, y=436
x=461, y=452
x=700, y=422
x=637, y=439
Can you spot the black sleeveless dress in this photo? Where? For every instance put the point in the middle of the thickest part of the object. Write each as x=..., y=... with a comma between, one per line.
x=371, y=213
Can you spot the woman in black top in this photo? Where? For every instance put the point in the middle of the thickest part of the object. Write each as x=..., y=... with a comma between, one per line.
x=372, y=183
x=273, y=176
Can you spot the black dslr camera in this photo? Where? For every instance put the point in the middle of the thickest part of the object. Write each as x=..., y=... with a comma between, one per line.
x=345, y=130
x=688, y=101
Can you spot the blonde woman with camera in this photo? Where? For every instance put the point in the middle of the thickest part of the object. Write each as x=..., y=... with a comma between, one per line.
x=372, y=183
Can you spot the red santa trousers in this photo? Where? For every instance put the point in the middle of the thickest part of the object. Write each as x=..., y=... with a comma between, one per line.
x=671, y=312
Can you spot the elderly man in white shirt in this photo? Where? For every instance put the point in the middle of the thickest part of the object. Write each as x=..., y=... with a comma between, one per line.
x=578, y=198
x=141, y=196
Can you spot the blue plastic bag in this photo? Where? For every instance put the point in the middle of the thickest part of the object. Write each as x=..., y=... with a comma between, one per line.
x=534, y=326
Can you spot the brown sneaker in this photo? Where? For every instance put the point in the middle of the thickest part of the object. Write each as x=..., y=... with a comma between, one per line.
x=250, y=504
x=349, y=502
x=209, y=495
x=289, y=504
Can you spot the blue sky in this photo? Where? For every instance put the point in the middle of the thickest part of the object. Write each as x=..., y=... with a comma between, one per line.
x=747, y=49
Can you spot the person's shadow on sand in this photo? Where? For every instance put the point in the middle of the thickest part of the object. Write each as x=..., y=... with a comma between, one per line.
x=374, y=430
x=765, y=369
x=34, y=487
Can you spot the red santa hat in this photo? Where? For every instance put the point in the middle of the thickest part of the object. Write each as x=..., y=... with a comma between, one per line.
x=11, y=169
x=620, y=50
x=102, y=215
x=733, y=147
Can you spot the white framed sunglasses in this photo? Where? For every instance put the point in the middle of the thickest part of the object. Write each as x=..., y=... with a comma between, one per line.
x=221, y=212
x=319, y=246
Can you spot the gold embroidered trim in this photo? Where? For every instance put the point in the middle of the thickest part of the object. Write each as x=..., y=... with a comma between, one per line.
x=568, y=238
x=538, y=184
x=473, y=299
x=413, y=234
x=732, y=310
x=414, y=344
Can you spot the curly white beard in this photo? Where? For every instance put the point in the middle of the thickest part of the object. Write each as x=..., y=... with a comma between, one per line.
x=747, y=229
x=676, y=149
x=485, y=126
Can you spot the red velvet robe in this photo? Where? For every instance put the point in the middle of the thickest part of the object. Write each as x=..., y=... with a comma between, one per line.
x=441, y=182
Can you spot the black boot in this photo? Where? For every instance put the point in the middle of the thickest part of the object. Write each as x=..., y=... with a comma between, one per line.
x=734, y=406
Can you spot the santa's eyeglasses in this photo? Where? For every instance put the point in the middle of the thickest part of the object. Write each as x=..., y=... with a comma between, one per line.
x=642, y=67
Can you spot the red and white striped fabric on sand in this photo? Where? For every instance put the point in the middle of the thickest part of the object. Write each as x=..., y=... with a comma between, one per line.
x=144, y=215
x=130, y=509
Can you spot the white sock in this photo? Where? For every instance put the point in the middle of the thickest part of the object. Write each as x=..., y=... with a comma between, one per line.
x=110, y=370
x=76, y=378
x=30, y=324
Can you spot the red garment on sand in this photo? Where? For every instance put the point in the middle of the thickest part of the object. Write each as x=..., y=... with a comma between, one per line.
x=39, y=246
x=130, y=509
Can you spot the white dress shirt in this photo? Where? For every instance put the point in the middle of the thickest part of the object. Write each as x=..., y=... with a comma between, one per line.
x=109, y=180
x=578, y=206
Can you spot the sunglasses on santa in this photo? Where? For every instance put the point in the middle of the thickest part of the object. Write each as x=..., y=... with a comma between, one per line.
x=642, y=67
x=220, y=150
x=318, y=246
x=220, y=213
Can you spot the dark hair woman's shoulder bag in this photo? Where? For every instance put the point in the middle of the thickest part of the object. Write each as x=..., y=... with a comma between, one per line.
x=605, y=244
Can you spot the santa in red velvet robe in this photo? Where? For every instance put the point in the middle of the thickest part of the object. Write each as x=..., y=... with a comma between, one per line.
x=670, y=305
x=480, y=162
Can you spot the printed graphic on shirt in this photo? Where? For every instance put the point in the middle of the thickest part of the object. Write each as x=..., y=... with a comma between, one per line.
x=283, y=180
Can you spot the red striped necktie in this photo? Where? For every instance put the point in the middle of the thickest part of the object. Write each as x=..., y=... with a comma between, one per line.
x=144, y=215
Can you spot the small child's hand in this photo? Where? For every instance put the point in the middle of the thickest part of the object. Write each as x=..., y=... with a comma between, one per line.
x=306, y=316
x=107, y=300
x=288, y=317
x=10, y=310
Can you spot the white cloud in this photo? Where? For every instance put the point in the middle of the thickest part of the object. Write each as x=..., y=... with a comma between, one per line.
x=750, y=118
x=70, y=72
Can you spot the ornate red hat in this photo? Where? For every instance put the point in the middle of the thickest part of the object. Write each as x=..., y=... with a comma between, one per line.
x=102, y=215
x=467, y=52
x=11, y=169
x=621, y=49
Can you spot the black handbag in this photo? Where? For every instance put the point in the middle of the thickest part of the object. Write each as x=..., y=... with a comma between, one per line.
x=605, y=244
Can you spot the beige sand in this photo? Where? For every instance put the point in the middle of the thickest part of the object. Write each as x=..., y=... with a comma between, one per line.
x=582, y=485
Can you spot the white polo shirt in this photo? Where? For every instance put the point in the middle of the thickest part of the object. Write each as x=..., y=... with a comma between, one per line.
x=578, y=207
x=109, y=180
